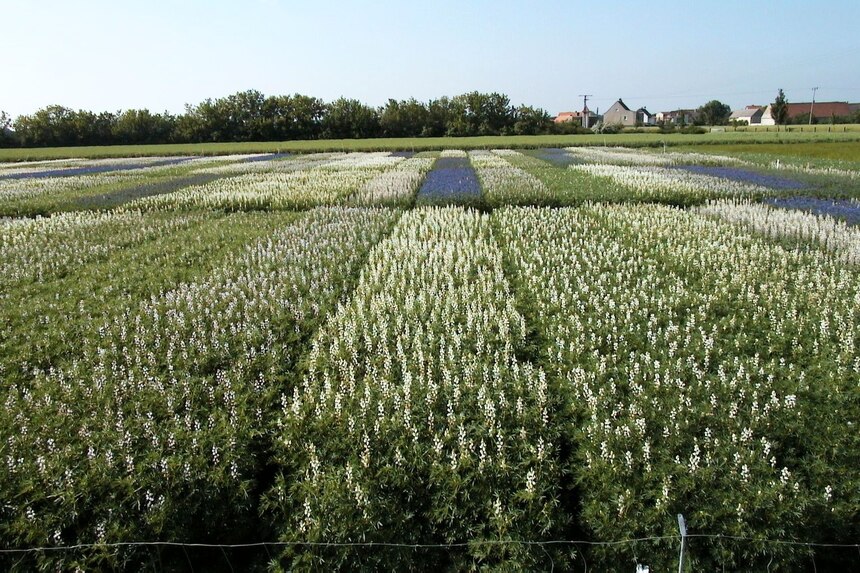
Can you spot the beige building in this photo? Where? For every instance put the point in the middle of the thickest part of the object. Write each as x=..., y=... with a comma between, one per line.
x=751, y=114
x=586, y=118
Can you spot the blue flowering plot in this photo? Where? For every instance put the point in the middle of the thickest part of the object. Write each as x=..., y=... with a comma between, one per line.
x=847, y=210
x=556, y=156
x=267, y=157
x=744, y=176
x=92, y=169
x=451, y=182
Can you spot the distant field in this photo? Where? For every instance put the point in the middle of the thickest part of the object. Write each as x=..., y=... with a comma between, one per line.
x=821, y=128
x=433, y=143
x=843, y=151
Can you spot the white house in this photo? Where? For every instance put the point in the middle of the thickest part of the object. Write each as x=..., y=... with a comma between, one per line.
x=751, y=114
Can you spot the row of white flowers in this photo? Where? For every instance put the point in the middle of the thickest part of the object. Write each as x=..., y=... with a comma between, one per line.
x=676, y=185
x=22, y=192
x=238, y=167
x=12, y=190
x=630, y=156
x=831, y=233
x=143, y=163
x=37, y=249
x=813, y=170
x=696, y=355
x=394, y=187
x=22, y=167
x=29, y=167
x=503, y=183
x=415, y=414
x=156, y=423
x=297, y=184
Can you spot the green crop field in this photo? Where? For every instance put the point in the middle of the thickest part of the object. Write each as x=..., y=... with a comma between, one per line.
x=841, y=150
x=450, y=360
x=431, y=143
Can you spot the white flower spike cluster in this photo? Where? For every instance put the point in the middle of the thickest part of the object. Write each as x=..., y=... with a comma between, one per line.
x=395, y=187
x=37, y=249
x=660, y=184
x=413, y=386
x=164, y=405
x=630, y=156
x=505, y=184
x=691, y=354
x=830, y=233
x=297, y=184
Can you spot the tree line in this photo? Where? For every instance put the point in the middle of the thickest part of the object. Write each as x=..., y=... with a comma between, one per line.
x=252, y=116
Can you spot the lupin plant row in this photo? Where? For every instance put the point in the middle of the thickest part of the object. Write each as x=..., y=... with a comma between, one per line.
x=68, y=303
x=36, y=250
x=154, y=430
x=416, y=421
x=433, y=376
x=334, y=179
x=709, y=372
x=505, y=177
x=514, y=178
x=529, y=375
x=822, y=230
x=51, y=187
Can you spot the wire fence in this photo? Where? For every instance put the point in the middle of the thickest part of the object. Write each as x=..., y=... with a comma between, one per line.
x=24, y=553
x=464, y=544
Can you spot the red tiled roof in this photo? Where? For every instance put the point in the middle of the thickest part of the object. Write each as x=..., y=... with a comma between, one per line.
x=570, y=115
x=821, y=109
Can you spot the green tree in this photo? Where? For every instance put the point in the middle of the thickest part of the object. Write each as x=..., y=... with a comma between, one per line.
x=291, y=117
x=531, y=121
x=406, y=118
x=477, y=113
x=306, y=118
x=713, y=113
x=779, y=109
x=49, y=126
x=7, y=136
x=350, y=119
x=90, y=128
x=439, y=113
x=245, y=113
x=136, y=126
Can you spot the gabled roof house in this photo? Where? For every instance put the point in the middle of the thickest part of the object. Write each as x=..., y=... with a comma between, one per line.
x=620, y=114
x=751, y=114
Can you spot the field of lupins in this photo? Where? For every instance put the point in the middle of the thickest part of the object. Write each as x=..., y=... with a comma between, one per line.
x=493, y=359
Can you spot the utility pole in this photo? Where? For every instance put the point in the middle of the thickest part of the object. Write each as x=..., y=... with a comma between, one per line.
x=585, y=109
x=812, y=105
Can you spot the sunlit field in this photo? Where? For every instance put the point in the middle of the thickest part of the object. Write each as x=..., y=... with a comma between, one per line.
x=460, y=358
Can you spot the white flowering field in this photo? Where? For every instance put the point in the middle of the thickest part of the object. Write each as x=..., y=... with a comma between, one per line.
x=520, y=360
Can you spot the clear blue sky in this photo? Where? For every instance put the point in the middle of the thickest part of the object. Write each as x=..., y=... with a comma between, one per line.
x=158, y=54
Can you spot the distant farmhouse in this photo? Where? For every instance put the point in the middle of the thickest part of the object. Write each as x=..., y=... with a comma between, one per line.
x=620, y=114
x=751, y=115
x=677, y=117
x=822, y=112
x=585, y=118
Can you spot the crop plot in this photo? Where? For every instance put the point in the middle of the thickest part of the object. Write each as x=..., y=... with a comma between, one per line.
x=385, y=361
x=451, y=182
